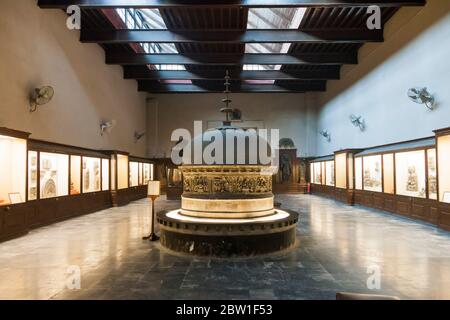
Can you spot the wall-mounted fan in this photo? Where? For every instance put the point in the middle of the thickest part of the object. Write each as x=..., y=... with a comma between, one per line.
x=138, y=136
x=358, y=122
x=421, y=96
x=326, y=135
x=107, y=126
x=41, y=96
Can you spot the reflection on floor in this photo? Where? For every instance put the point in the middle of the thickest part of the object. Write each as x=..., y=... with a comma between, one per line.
x=337, y=247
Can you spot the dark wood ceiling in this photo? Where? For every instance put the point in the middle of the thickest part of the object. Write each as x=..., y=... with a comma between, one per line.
x=211, y=37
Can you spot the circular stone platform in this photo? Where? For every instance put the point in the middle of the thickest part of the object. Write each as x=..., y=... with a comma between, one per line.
x=227, y=237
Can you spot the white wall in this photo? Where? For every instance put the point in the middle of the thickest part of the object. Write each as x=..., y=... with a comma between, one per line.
x=416, y=53
x=37, y=49
x=287, y=112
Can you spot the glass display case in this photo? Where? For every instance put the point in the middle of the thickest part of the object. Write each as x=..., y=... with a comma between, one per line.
x=105, y=174
x=317, y=172
x=122, y=171
x=13, y=164
x=54, y=175
x=323, y=173
x=341, y=170
x=410, y=174
x=443, y=161
x=75, y=175
x=406, y=169
x=141, y=173
x=358, y=173
x=432, y=174
x=33, y=175
x=388, y=173
x=329, y=173
x=372, y=173
x=91, y=174
x=134, y=174
x=146, y=173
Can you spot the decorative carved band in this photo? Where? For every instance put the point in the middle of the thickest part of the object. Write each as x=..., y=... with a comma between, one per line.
x=227, y=184
x=227, y=179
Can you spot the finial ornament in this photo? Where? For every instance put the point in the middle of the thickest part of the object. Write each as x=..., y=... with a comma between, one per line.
x=227, y=100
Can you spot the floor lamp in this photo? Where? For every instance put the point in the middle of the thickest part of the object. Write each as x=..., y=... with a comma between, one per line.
x=153, y=192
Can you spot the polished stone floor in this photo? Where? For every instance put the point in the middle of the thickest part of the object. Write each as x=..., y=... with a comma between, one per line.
x=339, y=248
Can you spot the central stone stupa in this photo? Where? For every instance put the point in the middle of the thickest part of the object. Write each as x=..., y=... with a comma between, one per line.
x=228, y=210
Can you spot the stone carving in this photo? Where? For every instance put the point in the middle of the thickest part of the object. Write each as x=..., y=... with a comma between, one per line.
x=234, y=182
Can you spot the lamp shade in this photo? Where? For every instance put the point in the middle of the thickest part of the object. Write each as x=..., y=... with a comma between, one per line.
x=153, y=188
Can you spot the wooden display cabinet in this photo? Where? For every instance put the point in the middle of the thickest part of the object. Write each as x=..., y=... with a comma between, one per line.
x=443, y=169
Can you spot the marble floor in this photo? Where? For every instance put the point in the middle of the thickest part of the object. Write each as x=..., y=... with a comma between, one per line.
x=339, y=248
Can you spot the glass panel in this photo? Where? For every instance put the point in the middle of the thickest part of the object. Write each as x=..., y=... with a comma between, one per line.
x=410, y=173
x=54, y=175
x=388, y=172
x=341, y=170
x=329, y=175
x=317, y=173
x=75, y=175
x=105, y=174
x=141, y=174
x=272, y=18
x=13, y=164
x=432, y=176
x=311, y=174
x=146, y=173
x=358, y=173
x=372, y=173
x=350, y=171
x=322, y=166
x=32, y=175
x=122, y=171
x=113, y=172
x=443, y=147
x=134, y=174
x=91, y=175
x=152, y=172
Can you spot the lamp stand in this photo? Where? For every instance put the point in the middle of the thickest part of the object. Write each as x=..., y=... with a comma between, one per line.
x=152, y=236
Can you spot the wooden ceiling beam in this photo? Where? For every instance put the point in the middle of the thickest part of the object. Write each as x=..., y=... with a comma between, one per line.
x=233, y=36
x=162, y=4
x=142, y=73
x=231, y=59
x=152, y=87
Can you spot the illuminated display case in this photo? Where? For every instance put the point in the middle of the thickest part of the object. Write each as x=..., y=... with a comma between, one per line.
x=410, y=174
x=443, y=176
x=147, y=173
x=371, y=173
x=400, y=178
x=122, y=171
x=323, y=175
x=54, y=175
x=91, y=175
x=134, y=174
x=345, y=174
x=105, y=175
x=32, y=175
x=13, y=164
x=75, y=175
x=329, y=173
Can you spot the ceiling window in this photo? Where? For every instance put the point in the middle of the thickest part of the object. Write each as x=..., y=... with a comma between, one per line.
x=272, y=18
x=149, y=19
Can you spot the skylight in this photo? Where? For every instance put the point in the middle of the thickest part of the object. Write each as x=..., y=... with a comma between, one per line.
x=149, y=19
x=272, y=18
